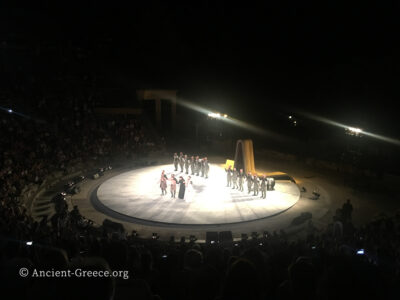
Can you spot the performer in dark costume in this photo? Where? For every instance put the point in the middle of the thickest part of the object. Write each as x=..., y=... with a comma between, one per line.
x=187, y=162
x=263, y=187
x=192, y=165
x=181, y=194
x=249, y=179
x=206, y=167
x=163, y=183
x=228, y=176
x=255, y=185
x=202, y=167
x=234, y=179
x=173, y=185
x=241, y=179
x=197, y=165
x=176, y=161
x=181, y=161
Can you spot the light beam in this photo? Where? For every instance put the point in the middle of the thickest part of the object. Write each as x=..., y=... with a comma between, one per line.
x=353, y=129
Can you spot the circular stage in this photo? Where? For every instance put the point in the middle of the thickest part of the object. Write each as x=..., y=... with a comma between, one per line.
x=136, y=196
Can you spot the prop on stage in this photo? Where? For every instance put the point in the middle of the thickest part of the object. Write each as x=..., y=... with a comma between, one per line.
x=244, y=159
x=244, y=156
x=229, y=163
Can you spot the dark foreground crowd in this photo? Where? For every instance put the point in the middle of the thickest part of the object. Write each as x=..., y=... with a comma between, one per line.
x=340, y=262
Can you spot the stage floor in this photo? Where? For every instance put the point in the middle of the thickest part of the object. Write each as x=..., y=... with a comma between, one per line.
x=136, y=194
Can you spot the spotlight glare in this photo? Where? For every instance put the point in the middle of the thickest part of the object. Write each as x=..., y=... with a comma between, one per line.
x=355, y=130
x=229, y=119
x=216, y=115
x=10, y=110
x=365, y=133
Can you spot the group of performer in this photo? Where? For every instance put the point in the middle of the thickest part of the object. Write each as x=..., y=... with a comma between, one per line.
x=198, y=166
x=235, y=179
x=184, y=185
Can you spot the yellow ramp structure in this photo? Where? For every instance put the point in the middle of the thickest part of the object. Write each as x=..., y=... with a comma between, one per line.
x=244, y=156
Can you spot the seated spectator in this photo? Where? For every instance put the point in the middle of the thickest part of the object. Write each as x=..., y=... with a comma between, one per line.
x=86, y=287
x=301, y=283
x=240, y=282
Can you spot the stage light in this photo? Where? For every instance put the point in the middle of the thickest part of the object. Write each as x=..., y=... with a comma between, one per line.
x=233, y=121
x=29, y=243
x=290, y=117
x=353, y=131
x=364, y=133
x=10, y=110
x=155, y=236
x=360, y=252
x=215, y=115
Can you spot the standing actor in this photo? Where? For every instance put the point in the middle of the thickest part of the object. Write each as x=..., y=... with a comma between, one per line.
x=249, y=179
x=234, y=179
x=197, y=165
x=173, y=186
x=206, y=167
x=181, y=161
x=181, y=193
x=192, y=165
x=202, y=167
x=189, y=193
x=187, y=162
x=255, y=185
x=176, y=161
x=163, y=183
x=228, y=176
x=263, y=187
x=241, y=179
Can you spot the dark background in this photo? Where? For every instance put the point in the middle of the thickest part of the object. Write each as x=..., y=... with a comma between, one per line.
x=258, y=61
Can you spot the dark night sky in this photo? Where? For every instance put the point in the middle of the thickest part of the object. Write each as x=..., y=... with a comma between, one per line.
x=337, y=59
